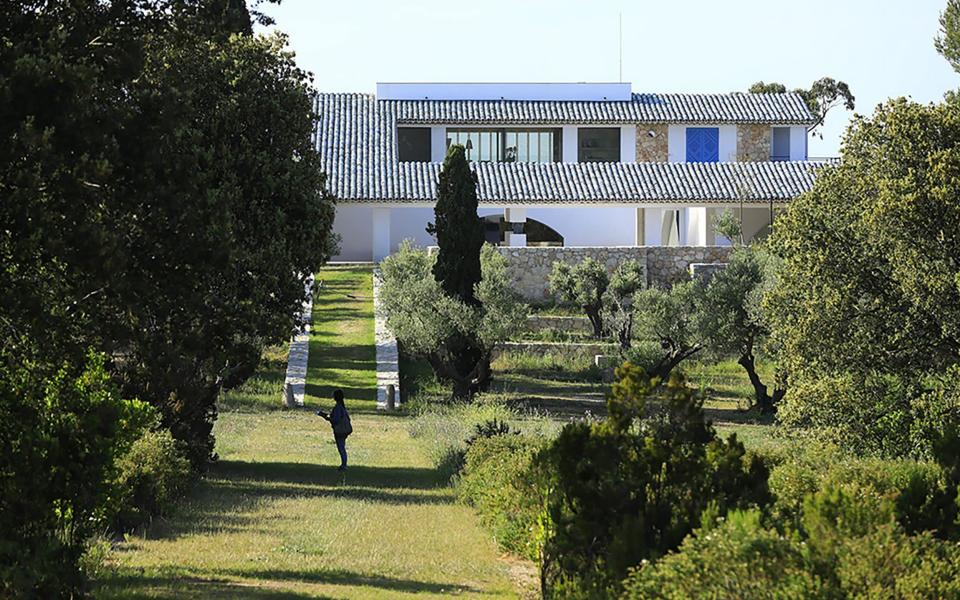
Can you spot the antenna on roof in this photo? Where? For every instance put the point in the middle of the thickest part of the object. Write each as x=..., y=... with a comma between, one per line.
x=620, y=15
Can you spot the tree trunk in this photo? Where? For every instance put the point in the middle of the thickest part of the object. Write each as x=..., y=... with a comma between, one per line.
x=765, y=402
x=671, y=360
x=593, y=313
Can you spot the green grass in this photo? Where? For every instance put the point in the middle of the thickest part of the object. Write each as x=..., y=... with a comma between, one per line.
x=274, y=519
x=264, y=390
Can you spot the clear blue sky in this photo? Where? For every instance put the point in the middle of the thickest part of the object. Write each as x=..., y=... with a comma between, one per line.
x=882, y=48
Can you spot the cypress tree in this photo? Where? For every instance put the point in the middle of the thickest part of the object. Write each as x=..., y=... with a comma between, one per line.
x=457, y=227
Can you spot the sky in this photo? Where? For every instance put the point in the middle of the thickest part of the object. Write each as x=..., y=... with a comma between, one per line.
x=881, y=48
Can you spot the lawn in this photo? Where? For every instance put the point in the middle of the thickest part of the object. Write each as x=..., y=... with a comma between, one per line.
x=274, y=519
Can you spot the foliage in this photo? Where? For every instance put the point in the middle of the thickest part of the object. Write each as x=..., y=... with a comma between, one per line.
x=728, y=225
x=619, y=301
x=869, y=271
x=822, y=96
x=458, y=229
x=632, y=487
x=498, y=480
x=737, y=559
x=163, y=201
x=669, y=317
x=432, y=324
x=947, y=41
x=153, y=473
x=582, y=285
x=59, y=436
x=731, y=321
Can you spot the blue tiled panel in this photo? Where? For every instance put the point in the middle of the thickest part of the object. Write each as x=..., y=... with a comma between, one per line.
x=703, y=144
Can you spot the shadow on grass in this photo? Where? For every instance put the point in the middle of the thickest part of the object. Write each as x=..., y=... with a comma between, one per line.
x=136, y=586
x=308, y=473
x=263, y=584
x=343, y=577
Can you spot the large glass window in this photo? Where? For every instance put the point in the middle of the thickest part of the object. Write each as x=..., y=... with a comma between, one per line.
x=508, y=145
x=413, y=144
x=703, y=144
x=780, y=149
x=598, y=144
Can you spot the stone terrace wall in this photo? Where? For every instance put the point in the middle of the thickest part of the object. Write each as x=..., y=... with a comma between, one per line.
x=530, y=266
x=669, y=264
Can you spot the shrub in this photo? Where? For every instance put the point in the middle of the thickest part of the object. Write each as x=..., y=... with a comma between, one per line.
x=498, y=480
x=583, y=286
x=737, y=559
x=59, y=437
x=152, y=475
x=632, y=487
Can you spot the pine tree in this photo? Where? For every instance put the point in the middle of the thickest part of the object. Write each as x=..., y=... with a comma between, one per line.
x=458, y=229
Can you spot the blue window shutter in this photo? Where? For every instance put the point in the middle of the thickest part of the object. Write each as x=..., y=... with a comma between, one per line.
x=703, y=144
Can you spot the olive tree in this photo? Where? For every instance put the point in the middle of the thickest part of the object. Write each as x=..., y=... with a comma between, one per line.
x=731, y=321
x=431, y=324
x=582, y=285
x=619, y=301
x=668, y=317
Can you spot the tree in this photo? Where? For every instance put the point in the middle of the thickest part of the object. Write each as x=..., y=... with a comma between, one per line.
x=731, y=320
x=869, y=292
x=947, y=42
x=822, y=96
x=632, y=487
x=457, y=227
x=729, y=226
x=432, y=324
x=164, y=202
x=619, y=301
x=668, y=317
x=582, y=285
x=60, y=433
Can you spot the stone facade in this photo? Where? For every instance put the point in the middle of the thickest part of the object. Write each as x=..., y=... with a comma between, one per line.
x=530, y=267
x=668, y=264
x=565, y=324
x=753, y=142
x=652, y=149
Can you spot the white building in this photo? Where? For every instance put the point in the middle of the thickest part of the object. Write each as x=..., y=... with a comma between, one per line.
x=575, y=164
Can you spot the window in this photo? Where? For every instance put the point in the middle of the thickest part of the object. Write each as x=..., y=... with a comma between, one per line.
x=703, y=144
x=598, y=144
x=508, y=145
x=413, y=144
x=780, y=150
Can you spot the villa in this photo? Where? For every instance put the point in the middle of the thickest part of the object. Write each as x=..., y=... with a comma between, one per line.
x=562, y=164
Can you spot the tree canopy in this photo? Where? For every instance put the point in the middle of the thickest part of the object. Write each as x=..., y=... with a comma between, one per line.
x=822, y=96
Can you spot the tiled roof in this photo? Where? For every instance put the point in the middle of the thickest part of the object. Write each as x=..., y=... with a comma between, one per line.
x=644, y=108
x=355, y=137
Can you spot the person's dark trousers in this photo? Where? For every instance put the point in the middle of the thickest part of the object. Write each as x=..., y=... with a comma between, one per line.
x=342, y=449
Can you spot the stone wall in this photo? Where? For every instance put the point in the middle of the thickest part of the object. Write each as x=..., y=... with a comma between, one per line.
x=753, y=142
x=668, y=264
x=652, y=149
x=530, y=267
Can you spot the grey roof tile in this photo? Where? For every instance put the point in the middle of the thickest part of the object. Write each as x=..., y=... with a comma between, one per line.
x=355, y=137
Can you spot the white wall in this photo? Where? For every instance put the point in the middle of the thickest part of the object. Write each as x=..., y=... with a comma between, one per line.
x=570, y=147
x=677, y=142
x=438, y=143
x=504, y=91
x=354, y=224
x=798, y=143
x=628, y=143
x=410, y=223
x=590, y=225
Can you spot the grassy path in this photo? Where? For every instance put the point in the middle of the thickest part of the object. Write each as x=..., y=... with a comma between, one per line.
x=275, y=519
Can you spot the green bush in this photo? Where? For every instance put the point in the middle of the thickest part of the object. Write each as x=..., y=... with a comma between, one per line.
x=634, y=486
x=60, y=434
x=153, y=474
x=737, y=559
x=498, y=480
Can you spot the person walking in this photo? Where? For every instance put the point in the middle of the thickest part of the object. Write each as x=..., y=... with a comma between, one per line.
x=339, y=419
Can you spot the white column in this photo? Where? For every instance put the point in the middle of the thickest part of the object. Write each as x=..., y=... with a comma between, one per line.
x=639, y=228
x=381, y=233
x=696, y=226
x=515, y=215
x=438, y=143
x=628, y=143
x=569, y=143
